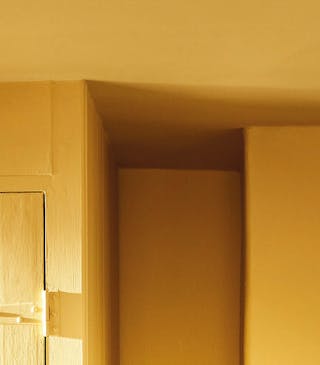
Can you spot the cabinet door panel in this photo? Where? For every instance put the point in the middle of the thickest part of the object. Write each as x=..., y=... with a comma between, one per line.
x=21, y=278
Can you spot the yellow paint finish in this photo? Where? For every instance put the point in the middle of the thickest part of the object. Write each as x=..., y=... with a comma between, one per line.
x=25, y=123
x=65, y=351
x=191, y=126
x=100, y=255
x=22, y=275
x=70, y=314
x=164, y=126
x=65, y=200
x=180, y=243
x=282, y=320
x=64, y=188
x=273, y=44
x=65, y=215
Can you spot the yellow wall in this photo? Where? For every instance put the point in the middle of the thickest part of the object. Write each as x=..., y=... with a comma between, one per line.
x=180, y=242
x=100, y=251
x=282, y=319
x=23, y=106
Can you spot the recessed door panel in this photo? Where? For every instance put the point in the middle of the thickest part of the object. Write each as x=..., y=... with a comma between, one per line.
x=21, y=278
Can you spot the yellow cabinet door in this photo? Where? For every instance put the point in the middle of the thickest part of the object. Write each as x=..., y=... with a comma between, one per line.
x=22, y=277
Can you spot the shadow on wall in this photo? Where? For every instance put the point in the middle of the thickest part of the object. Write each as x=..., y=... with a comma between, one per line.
x=170, y=126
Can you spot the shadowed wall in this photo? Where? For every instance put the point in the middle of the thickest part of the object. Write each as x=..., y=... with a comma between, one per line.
x=180, y=242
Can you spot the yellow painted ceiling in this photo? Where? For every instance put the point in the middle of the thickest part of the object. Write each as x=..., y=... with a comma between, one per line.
x=193, y=127
x=174, y=80
x=249, y=43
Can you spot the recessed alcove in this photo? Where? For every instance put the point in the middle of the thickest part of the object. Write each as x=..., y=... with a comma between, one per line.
x=179, y=203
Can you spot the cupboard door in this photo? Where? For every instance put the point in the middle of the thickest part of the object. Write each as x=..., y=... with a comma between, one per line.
x=21, y=278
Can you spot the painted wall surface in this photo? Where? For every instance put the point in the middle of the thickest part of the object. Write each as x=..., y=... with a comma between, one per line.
x=180, y=243
x=100, y=255
x=49, y=149
x=21, y=133
x=282, y=319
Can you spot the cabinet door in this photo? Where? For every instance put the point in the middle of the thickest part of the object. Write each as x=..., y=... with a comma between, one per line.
x=21, y=278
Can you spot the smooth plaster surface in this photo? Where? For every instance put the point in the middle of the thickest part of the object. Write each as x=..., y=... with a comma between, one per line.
x=180, y=244
x=282, y=318
x=271, y=44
